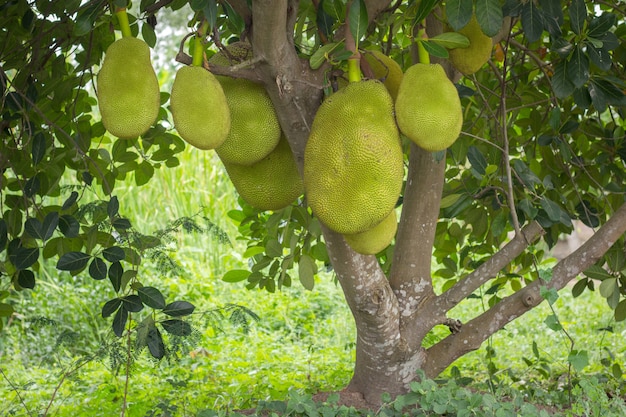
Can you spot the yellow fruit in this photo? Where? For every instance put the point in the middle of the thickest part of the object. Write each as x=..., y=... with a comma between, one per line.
x=471, y=59
x=385, y=69
x=128, y=89
x=353, y=162
x=254, y=130
x=374, y=240
x=199, y=108
x=270, y=184
x=428, y=108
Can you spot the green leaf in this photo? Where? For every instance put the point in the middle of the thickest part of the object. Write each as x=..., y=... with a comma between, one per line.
x=449, y=200
x=273, y=248
x=210, y=13
x=198, y=5
x=38, y=149
x=459, y=13
x=549, y=294
x=6, y=310
x=152, y=297
x=423, y=10
x=26, y=279
x=532, y=22
x=321, y=55
x=577, y=15
x=116, y=271
x=553, y=323
x=148, y=35
x=451, y=40
x=4, y=237
x=32, y=226
x=86, y=18
x=620, y=311
x=579, y=287
x=357, y=19
x=113, y=207
x=111, y=307
x=489, y=16
x=434, y=49
x=236, y=275
x=97, y=269
x=73, y=261
x=578, y=67
x=114, y=254
x=608, y=287
x=579, y=359
x=49, y=225
x=179, y=308
x=476, y=158
x=119, y=321
x=551, y=208
x=306, y=271
x=176, y=327
x=155, y=343
x=121, y=224
x=596, y=272
x=69, y=226
x=132, y=303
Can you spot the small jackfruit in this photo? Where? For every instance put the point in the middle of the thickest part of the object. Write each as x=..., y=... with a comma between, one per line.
x=374, y=240
x=428, y=108
x=128, y=89
x=270, y=184
x=199, y=108
x=385, y=69
x=254, y=130
x=471, y=59
x=353, y=161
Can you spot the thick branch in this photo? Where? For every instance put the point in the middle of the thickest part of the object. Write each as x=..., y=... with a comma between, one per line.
x=476, y=331
x=490, y=268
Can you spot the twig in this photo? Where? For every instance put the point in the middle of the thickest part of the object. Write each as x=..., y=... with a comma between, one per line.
x=16, y=390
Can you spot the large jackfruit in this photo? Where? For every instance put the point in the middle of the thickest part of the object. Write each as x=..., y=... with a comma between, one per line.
x=199, y=108
x=254, y=130
x=428, y=108
x=374, y=240
x=385, y=69
x=128, y=89
x=471, y=59
x=270, y=184
x=353, y=162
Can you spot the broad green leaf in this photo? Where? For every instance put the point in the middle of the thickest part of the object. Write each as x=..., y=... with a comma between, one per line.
x=600, y=25
x=119, y=321
x=198, y=5
x=121, y=224
x=155, y=343
x=561, y=83
x=599, y=56
x=6, y=310
x=549, y=294
x=111, y=307
x=306, y=271
x=113, y=207
x=113, y=254
x=38, y=149
x=148, y=35
x=551, y=208
x=579, y=287
x=179, y=308
x=32, y=226
x=476, y=158
x=579, y=359
x=49, y=225
x=73, y=261
x=358, y=20
x=532, y=23
x=620, y=311
x=132, y=303
x=434, y=49
x=321, y=55
x=578, y=67
x=596, y=272
x=451, y=40
x=236, y=275
x=449, y=200
x=489, y=16
x=26, y=279
x=253, y=250
x=4, y=238
x=116, y=270
x=459, y=13
x=577, y=15
x=424, y=9
x=176, y=327
x=210, y=13
x=152, y=297
x=553, y=323
x=69, y=226
x=608, y=287
x=273, y=248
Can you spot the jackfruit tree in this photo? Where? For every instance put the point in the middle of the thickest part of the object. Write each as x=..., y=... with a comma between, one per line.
x=486, y=159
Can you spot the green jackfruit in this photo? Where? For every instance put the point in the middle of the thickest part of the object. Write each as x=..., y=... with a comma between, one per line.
x=199, y=108
x=385, y=69
x=471, y=59
x=254, y=130
x=128, y=89
x=428, y=108
x=353, y=162
x=374, y=240
x=270, y=184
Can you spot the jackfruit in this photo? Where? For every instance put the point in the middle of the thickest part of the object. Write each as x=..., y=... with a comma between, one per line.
x=471, y=59
x=270, y=184
x=254, y=130
x=128, y=89
x=428, y=108
x=353, y=162
x=385, y=69
x=374, y=240
x=199, y=108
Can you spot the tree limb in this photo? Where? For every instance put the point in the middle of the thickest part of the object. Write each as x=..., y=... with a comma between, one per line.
x=477, y=330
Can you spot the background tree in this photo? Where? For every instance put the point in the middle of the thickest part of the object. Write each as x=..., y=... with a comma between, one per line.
x=542, y=146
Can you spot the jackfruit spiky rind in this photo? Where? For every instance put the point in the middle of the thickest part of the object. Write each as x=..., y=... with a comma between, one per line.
x=353, y=162
x=199, y=108
x=471, y=59
x=428, y=107
x=254, y=130
x=272, y=183
x=385, y=69
x=374, y=240
x=128, y=89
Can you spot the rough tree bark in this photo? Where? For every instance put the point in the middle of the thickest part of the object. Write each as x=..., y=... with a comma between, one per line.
x=393, y=314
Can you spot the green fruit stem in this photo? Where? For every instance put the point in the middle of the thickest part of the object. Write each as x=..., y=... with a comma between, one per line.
x=122, y=17
x=198, y=46
x=422, y=53
x=354, y=70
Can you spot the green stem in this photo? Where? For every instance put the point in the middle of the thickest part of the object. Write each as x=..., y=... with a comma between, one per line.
x=354, y=70
x=122, y=18
x=198, y=45
x=422, y=53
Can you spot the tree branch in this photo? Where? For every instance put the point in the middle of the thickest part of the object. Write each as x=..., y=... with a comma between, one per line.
x=476, y=331
x=490, y=268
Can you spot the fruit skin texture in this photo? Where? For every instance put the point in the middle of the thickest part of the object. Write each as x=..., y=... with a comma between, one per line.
x=471, y=59
x=374, y=240
x=199, y=108
x=428, y=108
x=353, y=162
x=385, y=68
x=272, y=183
x=128, y=89
x=254, y=130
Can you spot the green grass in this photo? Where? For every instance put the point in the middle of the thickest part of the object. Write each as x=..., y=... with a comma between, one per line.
x=303, y=341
